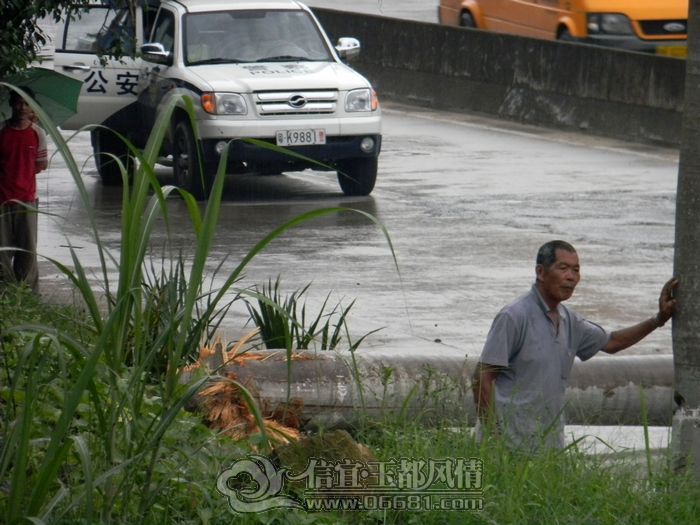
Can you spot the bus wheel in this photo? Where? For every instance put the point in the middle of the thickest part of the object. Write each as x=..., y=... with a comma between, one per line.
x=467, y=20
x=565, y=36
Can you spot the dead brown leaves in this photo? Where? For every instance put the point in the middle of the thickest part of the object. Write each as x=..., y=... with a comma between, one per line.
x=226, y=408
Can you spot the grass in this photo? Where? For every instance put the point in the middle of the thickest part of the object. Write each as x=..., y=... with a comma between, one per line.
x=284, y=322
x=559, y=487
x=569, y=487
x=94, y=431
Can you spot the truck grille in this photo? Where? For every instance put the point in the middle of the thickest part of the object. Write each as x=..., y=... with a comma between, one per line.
x=272, y=103
x=664, y=27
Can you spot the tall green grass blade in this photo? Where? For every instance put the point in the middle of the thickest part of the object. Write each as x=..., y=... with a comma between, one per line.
x=645, y=425
x=79, y=279
x=61, y=494
x=205, y=238
x=34, y=520
x=83, y=452
x=59, y=445
x=286, y=152
x=21, y=440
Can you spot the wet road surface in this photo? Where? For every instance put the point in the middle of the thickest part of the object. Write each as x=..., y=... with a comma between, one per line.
x=467, y=201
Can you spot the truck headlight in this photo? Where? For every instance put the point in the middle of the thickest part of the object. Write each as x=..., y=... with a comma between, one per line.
x=609, y=24
x=224, y=104
x=361, y=100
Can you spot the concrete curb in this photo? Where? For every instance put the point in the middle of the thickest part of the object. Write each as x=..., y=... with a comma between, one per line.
x=430, y=387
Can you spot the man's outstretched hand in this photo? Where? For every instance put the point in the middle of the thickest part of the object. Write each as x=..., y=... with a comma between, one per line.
x=667, y=303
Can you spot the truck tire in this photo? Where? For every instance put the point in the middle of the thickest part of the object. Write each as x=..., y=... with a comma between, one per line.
x=106, y=143
x=190, y=174
x=357, y=176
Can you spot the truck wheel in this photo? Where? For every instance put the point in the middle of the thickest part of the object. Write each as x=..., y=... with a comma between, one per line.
x=106, y=143
x=357, y=176
x=186, y=166
x=467, y=20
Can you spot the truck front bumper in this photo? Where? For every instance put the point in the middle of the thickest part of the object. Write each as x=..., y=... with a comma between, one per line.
x=264, y=153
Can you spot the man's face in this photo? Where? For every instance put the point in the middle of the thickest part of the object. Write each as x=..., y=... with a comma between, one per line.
x=557, y=283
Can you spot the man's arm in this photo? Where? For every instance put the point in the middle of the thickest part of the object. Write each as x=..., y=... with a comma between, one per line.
x=626, y=337
x=482, y=387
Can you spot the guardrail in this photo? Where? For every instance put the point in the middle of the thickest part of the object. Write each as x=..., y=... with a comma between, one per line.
x=629, y=96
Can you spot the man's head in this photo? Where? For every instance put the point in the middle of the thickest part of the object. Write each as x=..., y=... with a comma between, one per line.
x=558, y=271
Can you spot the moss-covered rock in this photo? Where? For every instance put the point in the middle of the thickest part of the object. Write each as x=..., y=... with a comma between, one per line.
x=335, y=446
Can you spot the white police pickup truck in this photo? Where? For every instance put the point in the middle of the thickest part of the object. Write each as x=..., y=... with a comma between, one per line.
x=260, y=69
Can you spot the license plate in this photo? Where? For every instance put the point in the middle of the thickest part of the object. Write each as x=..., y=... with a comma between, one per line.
x=673, y=51
x=300, y=137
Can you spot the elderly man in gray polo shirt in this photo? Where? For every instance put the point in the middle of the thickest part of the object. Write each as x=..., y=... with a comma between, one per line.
x=521, y=377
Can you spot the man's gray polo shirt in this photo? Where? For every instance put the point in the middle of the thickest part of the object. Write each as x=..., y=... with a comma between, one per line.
x=536, y=361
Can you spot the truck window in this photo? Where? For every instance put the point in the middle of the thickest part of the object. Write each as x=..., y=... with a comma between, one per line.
x=164, y=30
x=99, y=30
x=83, y=28
x=118, y=36
x=252, y=36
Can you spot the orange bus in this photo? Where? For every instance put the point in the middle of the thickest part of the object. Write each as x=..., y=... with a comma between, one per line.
x=652, y=26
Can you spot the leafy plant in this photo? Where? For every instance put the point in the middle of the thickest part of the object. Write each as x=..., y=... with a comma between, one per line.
x=93, y=422
x=283, y=321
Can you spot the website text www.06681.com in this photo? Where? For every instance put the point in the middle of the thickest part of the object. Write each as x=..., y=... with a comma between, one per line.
x=254, y=484
x=404, y=501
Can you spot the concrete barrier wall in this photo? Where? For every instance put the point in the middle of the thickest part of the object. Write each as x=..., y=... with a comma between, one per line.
x=337, y=388
x=630, y=96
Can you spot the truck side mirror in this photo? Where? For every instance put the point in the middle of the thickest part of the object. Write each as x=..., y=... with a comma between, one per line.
x=348, y=48
x=155, y=52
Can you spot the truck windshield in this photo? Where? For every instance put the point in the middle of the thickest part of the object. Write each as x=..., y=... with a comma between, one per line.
x=252, y=36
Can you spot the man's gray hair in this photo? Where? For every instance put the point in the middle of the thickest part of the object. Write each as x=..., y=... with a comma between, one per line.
x=547, y=253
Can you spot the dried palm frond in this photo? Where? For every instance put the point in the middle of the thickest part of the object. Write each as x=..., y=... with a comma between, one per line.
x=216, y=355
x=226, y=410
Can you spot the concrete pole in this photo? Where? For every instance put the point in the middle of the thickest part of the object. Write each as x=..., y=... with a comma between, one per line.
x=685, y=439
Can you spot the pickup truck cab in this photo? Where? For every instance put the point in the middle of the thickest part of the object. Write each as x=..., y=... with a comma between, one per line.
x=260, y=69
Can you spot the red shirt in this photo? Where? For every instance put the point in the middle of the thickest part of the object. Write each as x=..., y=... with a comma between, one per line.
x=19, y=151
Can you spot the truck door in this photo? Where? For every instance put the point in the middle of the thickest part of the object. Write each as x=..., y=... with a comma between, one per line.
x=110, y=85
x=155, y=83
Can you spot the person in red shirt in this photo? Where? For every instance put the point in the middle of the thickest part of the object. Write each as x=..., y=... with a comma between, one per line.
x=22, y=156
